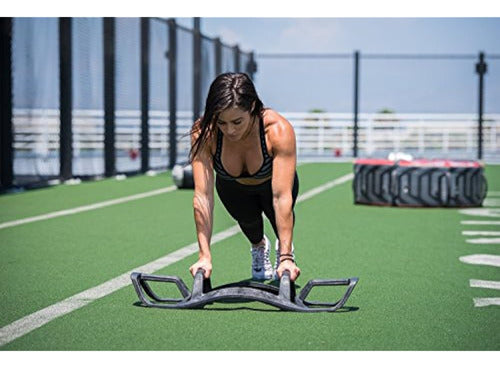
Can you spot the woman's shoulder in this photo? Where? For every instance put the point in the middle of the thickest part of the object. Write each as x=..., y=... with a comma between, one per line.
x=276, y=125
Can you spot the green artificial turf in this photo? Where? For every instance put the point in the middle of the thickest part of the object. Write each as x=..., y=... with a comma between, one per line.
x=19, y=205
x=413, y=292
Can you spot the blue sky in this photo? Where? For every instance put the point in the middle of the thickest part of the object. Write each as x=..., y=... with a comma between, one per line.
x=422, y=86
x=404, y=86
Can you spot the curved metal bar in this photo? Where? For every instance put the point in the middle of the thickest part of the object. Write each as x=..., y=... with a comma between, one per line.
x=283, y=297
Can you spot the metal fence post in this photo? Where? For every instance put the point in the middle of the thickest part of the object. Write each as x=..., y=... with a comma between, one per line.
x=144, y=94
x=251, y=65
x=481, y=69
x=236, y=59
x=356, y=103
x=109, y=96
x=172, y=80
x=196, y=70
x=66, y=102
x=6, y=131
x=218, y=56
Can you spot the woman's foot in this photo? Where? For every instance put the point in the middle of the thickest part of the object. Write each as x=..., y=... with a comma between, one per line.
x=261, y=264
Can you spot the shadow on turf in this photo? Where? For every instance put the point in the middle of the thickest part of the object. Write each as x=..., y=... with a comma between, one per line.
x=344, y=309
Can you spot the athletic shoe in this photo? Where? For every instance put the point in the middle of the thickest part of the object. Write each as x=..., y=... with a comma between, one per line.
x=277, y=262
x=262, y=268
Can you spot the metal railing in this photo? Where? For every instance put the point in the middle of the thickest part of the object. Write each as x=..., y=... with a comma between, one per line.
x=319, y=135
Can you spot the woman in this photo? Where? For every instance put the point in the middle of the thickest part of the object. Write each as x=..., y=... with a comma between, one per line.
x=252, y=150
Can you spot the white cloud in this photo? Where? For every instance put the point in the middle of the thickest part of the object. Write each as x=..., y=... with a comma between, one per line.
x=229, y=37
x=316, y=34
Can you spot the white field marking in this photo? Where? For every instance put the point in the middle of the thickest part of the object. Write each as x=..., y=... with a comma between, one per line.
x=484, y=241
x=322, y=188
x=37, y=319
x=485, y=284
x=491, y=202
x=481, y=233
x=480, y=222
x=481, y=259
x=89, y=207
x=484, y=302
x=485, y=212
x=93, y=206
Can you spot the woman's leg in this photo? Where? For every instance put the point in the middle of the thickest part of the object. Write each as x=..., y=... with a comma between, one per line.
x=242, y=203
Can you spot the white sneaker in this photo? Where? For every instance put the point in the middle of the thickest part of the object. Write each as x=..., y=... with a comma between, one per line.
x=277, y=262
x=261, y=264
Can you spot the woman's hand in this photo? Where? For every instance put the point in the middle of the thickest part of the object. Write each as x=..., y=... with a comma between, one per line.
x=205, y=263
x=291, y=267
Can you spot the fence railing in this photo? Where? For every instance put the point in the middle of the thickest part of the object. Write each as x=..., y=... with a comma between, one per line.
x=422, y=135
x=319, y=135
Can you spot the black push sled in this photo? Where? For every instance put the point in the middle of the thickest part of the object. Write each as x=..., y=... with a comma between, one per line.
x=282, y=297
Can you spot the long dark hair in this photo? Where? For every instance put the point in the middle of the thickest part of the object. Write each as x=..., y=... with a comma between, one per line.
x=226, y=91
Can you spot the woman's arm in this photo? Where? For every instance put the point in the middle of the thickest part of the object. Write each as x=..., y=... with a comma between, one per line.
x=284, y=164
x=203, y=205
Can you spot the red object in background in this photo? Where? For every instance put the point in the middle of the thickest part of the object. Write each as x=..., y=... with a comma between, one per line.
x=133, y=153
x=338, y=152
x=419, y=163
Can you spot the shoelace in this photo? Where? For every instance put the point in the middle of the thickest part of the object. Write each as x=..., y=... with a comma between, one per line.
x=259, y=255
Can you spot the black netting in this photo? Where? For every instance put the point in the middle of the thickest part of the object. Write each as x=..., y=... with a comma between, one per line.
x=184, y=91
x=303, y=83
x=442, y=85
x=35, y=74
x=158, y=94
x=244, y=61
x=128, y=94
x=88, y=96
x=207, y=67
x=228, y=59
x=491, y=133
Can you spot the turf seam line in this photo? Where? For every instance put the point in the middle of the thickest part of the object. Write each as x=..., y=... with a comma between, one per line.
x=85, y=208
x=37, y=319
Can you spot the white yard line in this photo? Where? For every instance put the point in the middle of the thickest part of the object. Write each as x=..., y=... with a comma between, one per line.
x=480, y=222
x=484, y=302
x=37, y=319
x=484, y=212
x=481, y=233
x=89, y=207
x=484, y=241
x=481, y=259
x=485, y=284
x=491, y=202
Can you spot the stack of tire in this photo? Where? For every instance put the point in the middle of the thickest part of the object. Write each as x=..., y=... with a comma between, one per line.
x=183, y=176
x=419, y=183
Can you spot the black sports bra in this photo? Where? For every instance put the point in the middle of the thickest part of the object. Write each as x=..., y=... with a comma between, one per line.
x=265, y=170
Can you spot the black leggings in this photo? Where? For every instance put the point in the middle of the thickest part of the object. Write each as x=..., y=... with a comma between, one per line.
x=245, y=203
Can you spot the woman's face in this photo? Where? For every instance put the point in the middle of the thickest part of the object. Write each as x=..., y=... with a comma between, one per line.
x=234, y=123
